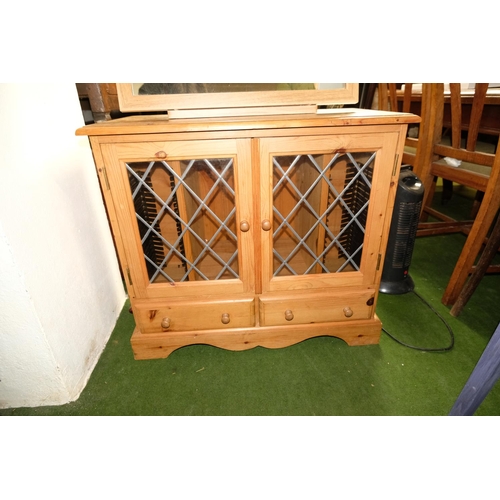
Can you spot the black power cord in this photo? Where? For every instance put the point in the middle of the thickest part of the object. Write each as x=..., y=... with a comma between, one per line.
x=430, y=349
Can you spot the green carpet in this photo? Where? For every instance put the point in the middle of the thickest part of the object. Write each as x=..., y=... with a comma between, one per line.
x=321, y=376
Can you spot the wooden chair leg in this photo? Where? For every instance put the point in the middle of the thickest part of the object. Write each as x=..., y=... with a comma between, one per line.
x=471, y=249
x=428, y=197
x=481, y=380
x=489, y=252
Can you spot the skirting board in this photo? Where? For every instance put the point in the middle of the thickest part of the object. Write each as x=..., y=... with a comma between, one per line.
x=161, y=345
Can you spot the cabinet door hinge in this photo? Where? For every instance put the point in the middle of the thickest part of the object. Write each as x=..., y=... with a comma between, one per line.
x=396, y=160
x=129, y=277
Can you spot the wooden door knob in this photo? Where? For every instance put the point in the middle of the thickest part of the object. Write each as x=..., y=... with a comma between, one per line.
x=244, y=226
x=266, y=224
x=288, y=315
x=225, y=319
x=165, y=323
x=348, y=312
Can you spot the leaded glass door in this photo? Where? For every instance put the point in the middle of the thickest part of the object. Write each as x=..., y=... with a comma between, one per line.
x=321, y=215
x=187, y=208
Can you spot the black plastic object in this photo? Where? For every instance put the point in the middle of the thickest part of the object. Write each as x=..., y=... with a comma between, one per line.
x=408, y=203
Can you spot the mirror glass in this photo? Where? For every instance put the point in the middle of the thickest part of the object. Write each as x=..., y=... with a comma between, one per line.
x=197, y=88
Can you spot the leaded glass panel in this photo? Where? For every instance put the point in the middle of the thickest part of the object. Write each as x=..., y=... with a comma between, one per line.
x=320, y=206
x=186, y=215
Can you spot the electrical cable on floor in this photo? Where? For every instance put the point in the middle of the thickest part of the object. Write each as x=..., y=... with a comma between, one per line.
x=430, y=349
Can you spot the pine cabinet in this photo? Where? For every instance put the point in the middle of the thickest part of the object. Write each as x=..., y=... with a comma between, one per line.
x=250, y=231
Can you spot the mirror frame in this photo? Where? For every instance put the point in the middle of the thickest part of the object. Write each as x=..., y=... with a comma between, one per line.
x=239, y=102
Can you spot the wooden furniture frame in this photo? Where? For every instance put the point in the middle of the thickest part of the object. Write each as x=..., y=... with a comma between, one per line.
x=490, y=119
x=102, y=97
x=483, y=266
x=235, y=103
x=287, y=272
x=480, y=171
x=390, y=98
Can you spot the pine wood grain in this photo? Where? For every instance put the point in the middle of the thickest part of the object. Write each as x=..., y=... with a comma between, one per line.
x=257, y=308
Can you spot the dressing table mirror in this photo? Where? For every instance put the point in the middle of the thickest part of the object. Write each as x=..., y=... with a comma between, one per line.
x=183, y=100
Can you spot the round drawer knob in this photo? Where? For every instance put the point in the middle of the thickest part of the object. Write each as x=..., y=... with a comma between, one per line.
x=225, y=319
x=165, y=323
x=244, y=226
x=348, y=312
x=266, y=224
x=161, y=154
x=288, y=315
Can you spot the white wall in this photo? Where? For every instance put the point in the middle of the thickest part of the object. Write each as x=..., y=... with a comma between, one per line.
x=60, y=287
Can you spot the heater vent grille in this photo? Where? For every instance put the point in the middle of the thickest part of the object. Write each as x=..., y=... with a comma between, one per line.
x=404, y=224
x=407, y=224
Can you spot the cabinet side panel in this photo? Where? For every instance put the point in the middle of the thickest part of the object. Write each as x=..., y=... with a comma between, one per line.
x=135, y=271
x=384, y=188
x=111, y=212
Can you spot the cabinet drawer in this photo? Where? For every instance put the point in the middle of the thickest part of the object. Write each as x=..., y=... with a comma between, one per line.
x=316, y=308
x=164, y=316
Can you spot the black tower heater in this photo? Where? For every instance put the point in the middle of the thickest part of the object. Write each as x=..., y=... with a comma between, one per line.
x=409, y=197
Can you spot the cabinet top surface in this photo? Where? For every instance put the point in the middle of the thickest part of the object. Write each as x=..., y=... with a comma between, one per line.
x=149, y=124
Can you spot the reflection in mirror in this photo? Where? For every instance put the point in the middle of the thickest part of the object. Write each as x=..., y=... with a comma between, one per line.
x=196, y=88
